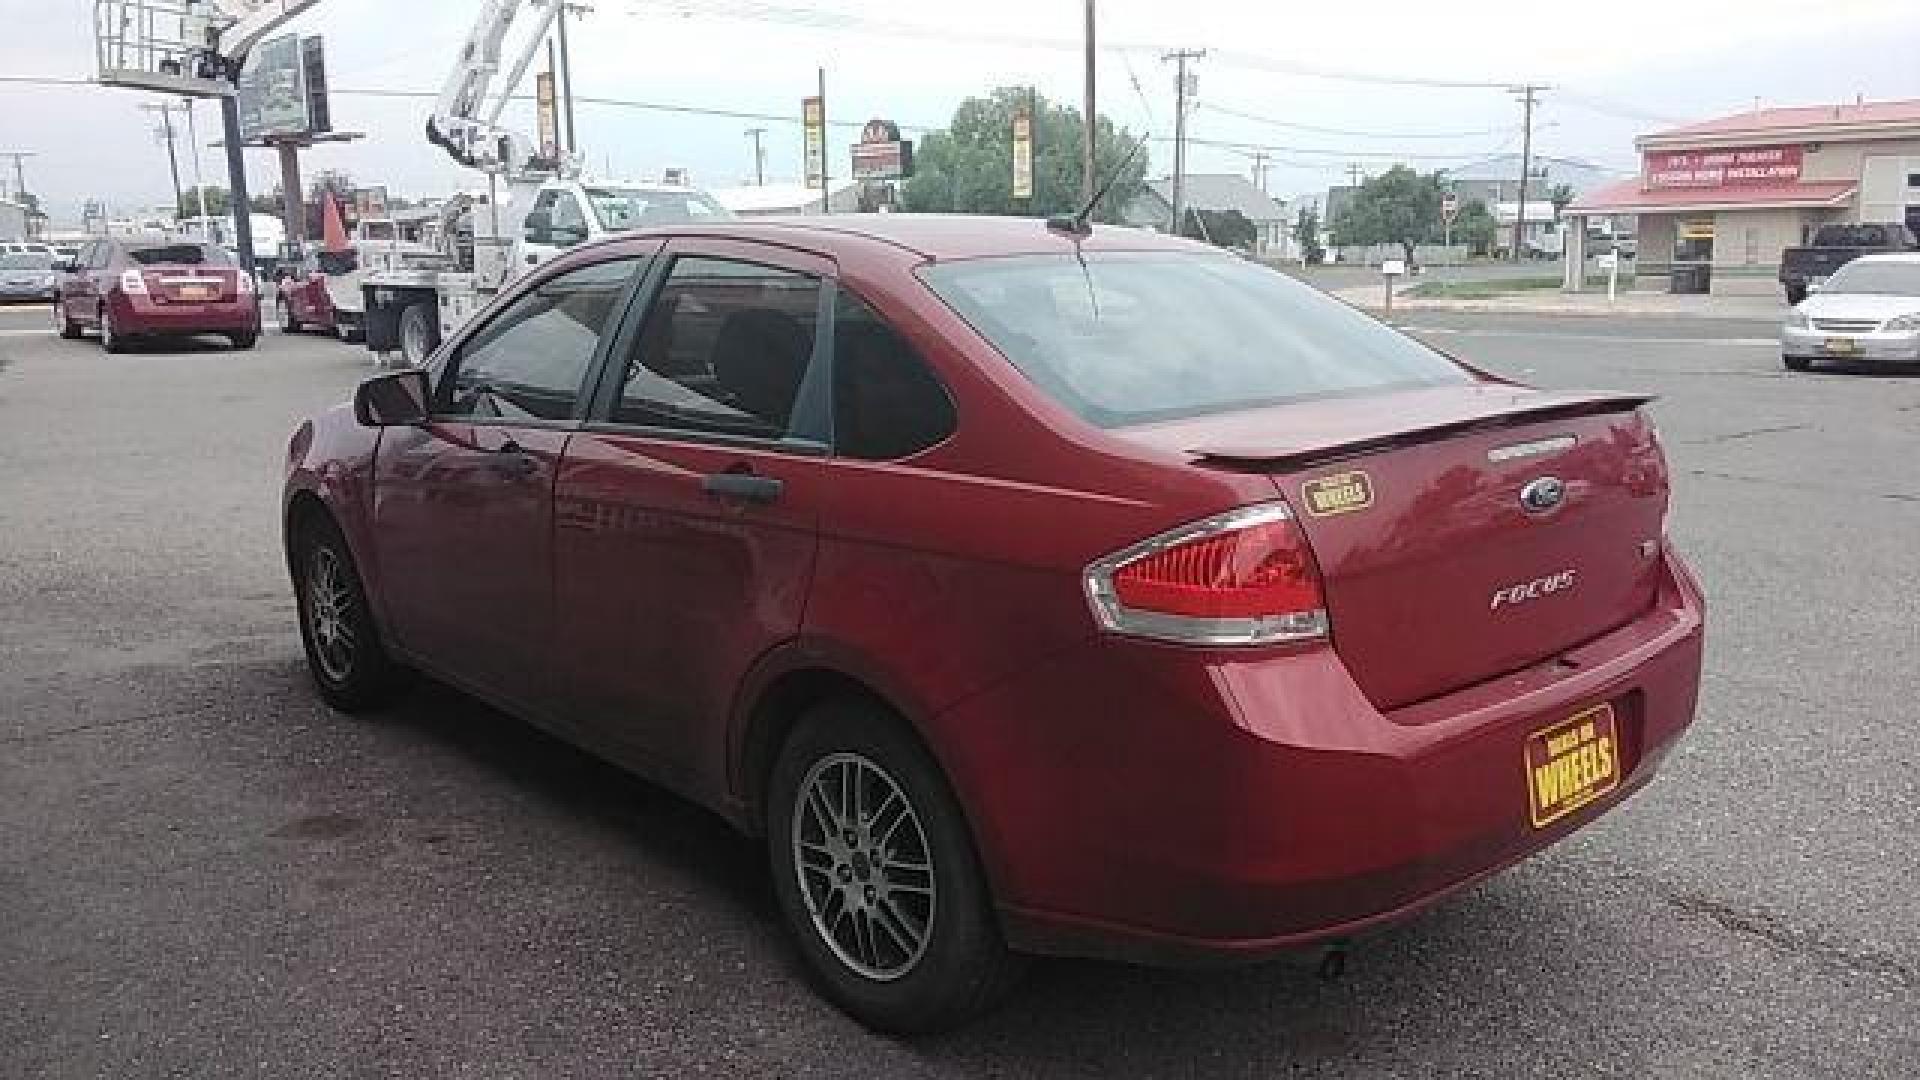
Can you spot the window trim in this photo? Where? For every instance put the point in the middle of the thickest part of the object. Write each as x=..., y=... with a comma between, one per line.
x=813, y=401
x=646, y=259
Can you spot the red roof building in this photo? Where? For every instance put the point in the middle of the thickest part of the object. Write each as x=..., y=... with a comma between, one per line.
x=1725, y=196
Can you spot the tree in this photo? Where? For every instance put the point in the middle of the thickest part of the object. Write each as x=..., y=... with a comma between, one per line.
x=1306, y=234
x=1561, y=196
x=1222, y=228
x=1474, y=226
x=968, y=167
x=1399, y=206
x=218, y=202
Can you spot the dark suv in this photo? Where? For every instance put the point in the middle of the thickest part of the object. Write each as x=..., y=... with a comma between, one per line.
x=128, y=289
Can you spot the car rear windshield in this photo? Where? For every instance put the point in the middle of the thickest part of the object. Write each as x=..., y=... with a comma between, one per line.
x=1878, y=278
x=178, y=255
x=1128, y=338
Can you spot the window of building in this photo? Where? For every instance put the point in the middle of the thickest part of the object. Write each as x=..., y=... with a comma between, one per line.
x=528, y=363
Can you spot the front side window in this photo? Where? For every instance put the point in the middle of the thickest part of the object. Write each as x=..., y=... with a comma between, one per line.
x=724, y=350
x=529, y=361
x=1127, y=338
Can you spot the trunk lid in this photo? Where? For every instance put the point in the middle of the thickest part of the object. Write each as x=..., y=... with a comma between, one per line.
x=1438, y=574
x=190, y=284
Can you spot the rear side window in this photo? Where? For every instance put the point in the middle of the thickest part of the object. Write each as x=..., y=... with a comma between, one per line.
x=529, y=361
x=1132, y=337
x=886, y=402
x=724, y=350
x=179, y=255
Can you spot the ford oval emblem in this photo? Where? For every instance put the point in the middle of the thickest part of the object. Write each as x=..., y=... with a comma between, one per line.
x=1543, y=494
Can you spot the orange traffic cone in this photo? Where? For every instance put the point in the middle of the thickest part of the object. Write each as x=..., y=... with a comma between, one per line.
x=333, y=232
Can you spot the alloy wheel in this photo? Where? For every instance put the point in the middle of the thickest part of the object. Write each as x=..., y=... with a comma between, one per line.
x=864, y=865
x=329, y=613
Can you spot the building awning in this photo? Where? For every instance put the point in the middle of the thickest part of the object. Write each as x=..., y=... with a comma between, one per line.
x=1628, y=197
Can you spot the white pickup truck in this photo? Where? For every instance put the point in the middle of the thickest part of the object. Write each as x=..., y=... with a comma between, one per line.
x=413, y=301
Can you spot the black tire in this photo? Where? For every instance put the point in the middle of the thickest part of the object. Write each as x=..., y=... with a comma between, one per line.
x=419, y=335
x=110, y=339
x=1797, y=363
x=959, y=966
x=284, y=312
x=246, y=339
x=1796, y=292
x=63, y=323
x=354, y=673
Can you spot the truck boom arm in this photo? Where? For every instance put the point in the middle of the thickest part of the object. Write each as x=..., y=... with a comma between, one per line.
x=465, y=122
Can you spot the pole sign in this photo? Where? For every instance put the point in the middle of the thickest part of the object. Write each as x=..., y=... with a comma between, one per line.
x=1022, y=153
x=272, y=91
x=546, y=115
x=813, y=116
x=1449, y=206
x=881, y=154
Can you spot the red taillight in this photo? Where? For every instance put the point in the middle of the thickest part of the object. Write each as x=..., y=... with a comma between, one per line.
x=1243, y=578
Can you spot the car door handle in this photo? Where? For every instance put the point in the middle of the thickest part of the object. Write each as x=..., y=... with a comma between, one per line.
x=743, y=486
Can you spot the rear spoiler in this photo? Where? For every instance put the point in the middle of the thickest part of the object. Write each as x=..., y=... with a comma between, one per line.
x=1360, y=442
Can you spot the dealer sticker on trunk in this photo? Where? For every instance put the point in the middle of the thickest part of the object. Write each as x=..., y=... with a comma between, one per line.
x=1572, y=763
x=1337, y=494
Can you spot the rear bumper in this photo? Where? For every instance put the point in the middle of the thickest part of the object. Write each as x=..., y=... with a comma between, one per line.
x=1168, y=805
x=1875, y=345
x=145, y=315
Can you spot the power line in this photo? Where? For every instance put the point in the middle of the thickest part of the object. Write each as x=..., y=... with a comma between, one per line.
x=1223, y=110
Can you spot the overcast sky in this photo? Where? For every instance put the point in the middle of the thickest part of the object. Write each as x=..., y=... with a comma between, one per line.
x=1619, y=68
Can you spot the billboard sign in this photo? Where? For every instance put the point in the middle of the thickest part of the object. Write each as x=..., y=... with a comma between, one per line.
x=881, y=154
x=813, y=116
x=1755, y=166
x=1022, y=153
x=282, y=91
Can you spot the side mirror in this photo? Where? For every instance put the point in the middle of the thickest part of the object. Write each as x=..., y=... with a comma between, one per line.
x=1815, y=286
x=539, y=227
x=395, y=399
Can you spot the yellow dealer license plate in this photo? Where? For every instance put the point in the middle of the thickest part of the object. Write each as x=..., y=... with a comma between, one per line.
x=195, y=292
x=1842, y=345
x=1572, y=763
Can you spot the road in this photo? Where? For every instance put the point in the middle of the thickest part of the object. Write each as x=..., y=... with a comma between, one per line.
x=204, y=872
x=1336, y=276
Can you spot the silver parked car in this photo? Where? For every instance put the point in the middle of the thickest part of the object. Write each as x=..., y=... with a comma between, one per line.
x=1868, y=310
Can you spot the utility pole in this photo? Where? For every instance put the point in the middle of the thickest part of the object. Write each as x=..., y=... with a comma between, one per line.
x=1183, y=87
x=165, y=109
x=1090, y=118
x=1356, y=174
x=199, y=182
x=759, y=156
x=1260, y=158
x=1526, y=93
x=566, y=72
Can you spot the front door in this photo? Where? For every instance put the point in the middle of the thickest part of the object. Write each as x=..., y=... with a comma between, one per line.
x=463, y=505
x=687, y=509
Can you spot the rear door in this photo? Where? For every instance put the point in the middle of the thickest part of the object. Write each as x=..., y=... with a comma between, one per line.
x=687, y=510
x=463, y=504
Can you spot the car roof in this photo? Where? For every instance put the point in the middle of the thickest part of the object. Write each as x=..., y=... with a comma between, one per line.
x=1892, y=257
x=937, y=237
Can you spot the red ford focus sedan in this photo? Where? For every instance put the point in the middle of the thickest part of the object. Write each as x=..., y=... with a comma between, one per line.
x=1028, y=591
x=131, y=289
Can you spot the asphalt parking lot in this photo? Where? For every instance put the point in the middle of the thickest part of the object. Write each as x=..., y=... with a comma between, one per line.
x=204, y=872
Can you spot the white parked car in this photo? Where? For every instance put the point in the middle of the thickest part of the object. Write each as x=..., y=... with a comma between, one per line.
x=1868, y=310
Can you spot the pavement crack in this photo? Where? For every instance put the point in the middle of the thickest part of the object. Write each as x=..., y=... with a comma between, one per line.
x=1775, y=933
x=78, y=729
x=1716, y=474
x=1714, y=440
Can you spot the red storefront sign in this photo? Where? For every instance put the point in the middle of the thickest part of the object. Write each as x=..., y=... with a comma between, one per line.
x=1738, y=167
